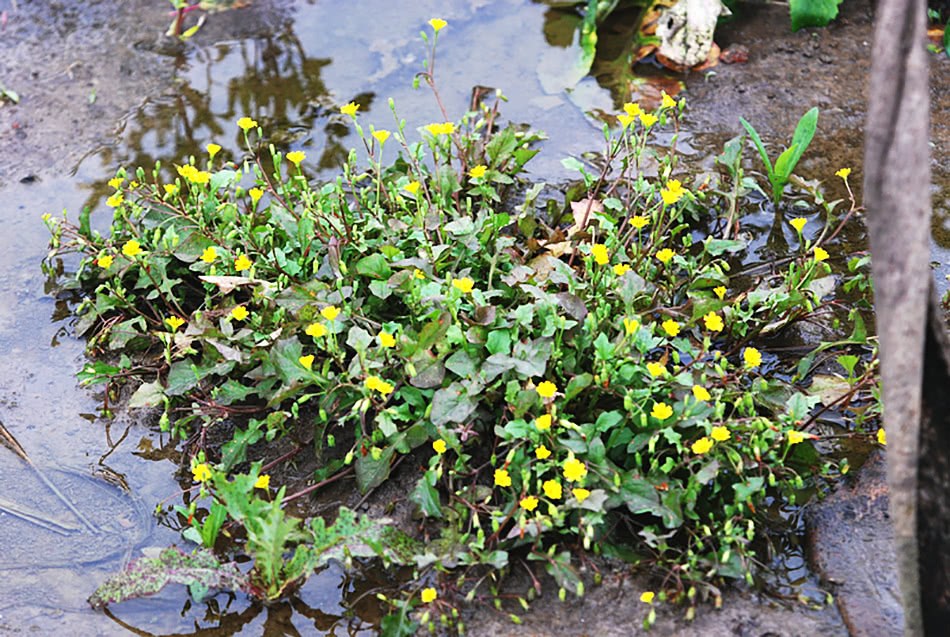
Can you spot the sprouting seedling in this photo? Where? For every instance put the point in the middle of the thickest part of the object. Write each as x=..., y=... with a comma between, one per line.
x=786, y=162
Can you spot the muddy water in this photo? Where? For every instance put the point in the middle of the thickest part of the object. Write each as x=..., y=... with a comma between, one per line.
x=101, y=90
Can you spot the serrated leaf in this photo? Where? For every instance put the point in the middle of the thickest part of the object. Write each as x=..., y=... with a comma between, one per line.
x=147, y=576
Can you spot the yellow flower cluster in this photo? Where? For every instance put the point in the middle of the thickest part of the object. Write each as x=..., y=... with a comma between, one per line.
x=194, y=175
x=673, y=192
x=378, y=384
x=445, y=128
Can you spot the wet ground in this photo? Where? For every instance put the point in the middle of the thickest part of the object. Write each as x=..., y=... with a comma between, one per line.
x=100, y=88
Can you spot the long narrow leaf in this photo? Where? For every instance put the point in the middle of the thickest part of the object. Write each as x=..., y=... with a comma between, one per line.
x=758, y=144
x=803, y=135
x=785, y=164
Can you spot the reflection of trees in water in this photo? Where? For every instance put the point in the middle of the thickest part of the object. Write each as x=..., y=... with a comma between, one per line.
x=270, y=79
x=230, y=613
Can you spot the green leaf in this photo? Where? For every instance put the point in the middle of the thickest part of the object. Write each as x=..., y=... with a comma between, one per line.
x=716, y=247
x=374, y=266
x=576, y=385
x=373, y=471
x=745, y=490
x=754, y=135
x=784, y=166
x=812, y=13
x=425, y=496
x=451, y=404
x=801, y=138
x=147, y=395
x=234, y=452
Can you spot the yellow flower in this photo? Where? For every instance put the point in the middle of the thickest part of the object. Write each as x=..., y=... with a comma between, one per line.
x=751, y=357
x=668, y=102
x=820, y=253
x=131, y=248
x=439, y=446
x=639, y=221
x=171, y=189
x=798, y=223
x=648, y=119
x=630, y=326
x=542, y=453
x=262, y=482
x=671, y=327
x=115, y=182
x=200, y=472
x=478, y=171
x=209, y=255
x=713, y=322
x=720, y=291
x=701, y=393
x=502, y=479
x=632, y=109
x=665, y=255
x=242, y=263
x=843, y=173
x=306, y=361
x=529, y=503
x=213, y=149
x=315, y=330
x=621, y=269
x=581, y=494
x=381, y=136
x=256, y=194
x=174, y=322
x=574, y=469
x=437, y=24
x=386, y=339
x=350, y=109
x=795, y=437
x=552, y=489
x=656, y=369
x=115, y=200
x=543, y=423
x=377, y=383
x=464, y=285
x=720, y=433
x=200, y=177
x=296, y=156
x=647, y=597
x=661, y=411
x=246, y=124
x=673, y=192
x=419, y=274
x=428, y=595
x=625, y=120
x=105, y=261
x=445, y=128
x=412, y=187
x=599, y=251
x=546, y=389
x=882, y=437
x=330, y=312
x=239, y=313
x=702, y=445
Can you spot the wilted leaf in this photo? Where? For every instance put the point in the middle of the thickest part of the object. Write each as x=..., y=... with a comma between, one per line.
x=147, y=576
